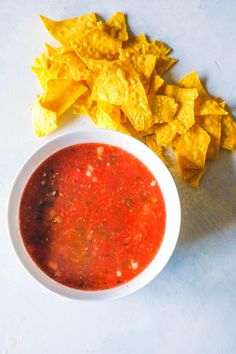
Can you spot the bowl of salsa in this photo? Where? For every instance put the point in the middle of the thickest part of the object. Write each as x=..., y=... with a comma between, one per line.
x=94, y=215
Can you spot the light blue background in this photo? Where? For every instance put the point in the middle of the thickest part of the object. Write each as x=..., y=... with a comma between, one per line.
x=191, y=307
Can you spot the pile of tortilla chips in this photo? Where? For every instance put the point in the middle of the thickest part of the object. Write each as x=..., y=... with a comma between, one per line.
x=116, y=80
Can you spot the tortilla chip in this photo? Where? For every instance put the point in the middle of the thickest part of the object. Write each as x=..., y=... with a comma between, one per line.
x=41, y=62
x=78, y=70
x=155, y=84
x=138, y=45
x=44, y=120
x=96, y=65
x=164, y=63
x=57, y=70
x=165, y=133
x=113, y=111
x=163, y=109
x=118, y=84
x=159, y=48
x=97, y=44
x=186, y=99
x=83, y=104
x=190, y=175
x=206, y=105
x=61, y=94
x=142, y=64
x=192, y=80
x=116, y=27
x=66, y=31
x=105, y=120
x=220, y=102
x=193, y=145
x=212, y=125
x=228, y=133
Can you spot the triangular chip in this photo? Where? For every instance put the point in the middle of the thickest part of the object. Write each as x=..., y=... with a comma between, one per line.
x=163, y=109
x=164, y=63
x=192, y=80
x=118, y=84
x=165, y=133
x=44, y=120
x=142, y=64
x=105, y=120
x=204, y=105
x=187, y=173
x=61, y=94
x=95, y=65
x=77, y=68
x=193, y=145
x=159, y=48
x=116, y=27
x=186, y=99
x=66, y=31
x=113, y=111
x=83, y=104
x=97, y=44
x=212, y=125
x=228, y=133
x=57, y=70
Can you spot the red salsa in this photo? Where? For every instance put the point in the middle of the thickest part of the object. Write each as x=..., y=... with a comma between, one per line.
x=92, y=216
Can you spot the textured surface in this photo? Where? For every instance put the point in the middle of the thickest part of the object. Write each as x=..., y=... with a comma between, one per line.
x=191, y=307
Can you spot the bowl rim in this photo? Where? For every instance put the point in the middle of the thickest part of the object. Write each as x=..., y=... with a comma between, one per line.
x=148, y=158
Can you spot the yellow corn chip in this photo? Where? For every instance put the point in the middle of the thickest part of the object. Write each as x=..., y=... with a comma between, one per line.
x=165, y=133
x=61, y=94
x=155, y=84
x=116, y=27
x=163, y=109
x=83, y=103
x=136, y=46
x=66, y=31
x=113, y=111
x=192, y=80
x=77, y=68
x=104, y=120
x=44, y=120
x=205, y=105
x=57, y=70
x=139, y=45
x=228, y=133
x=159, y=48
x=142, y=64
x=97, y=44
x=95, y=65
x=164, y=63
x=190, y=175
x=118, y=84
x=212, y=125
x=51, y=52
x=41, y=62
x=193, y=145
x=186, y=99
x=220, y=102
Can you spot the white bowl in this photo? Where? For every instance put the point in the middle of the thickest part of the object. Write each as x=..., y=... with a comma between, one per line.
x=160, y=172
